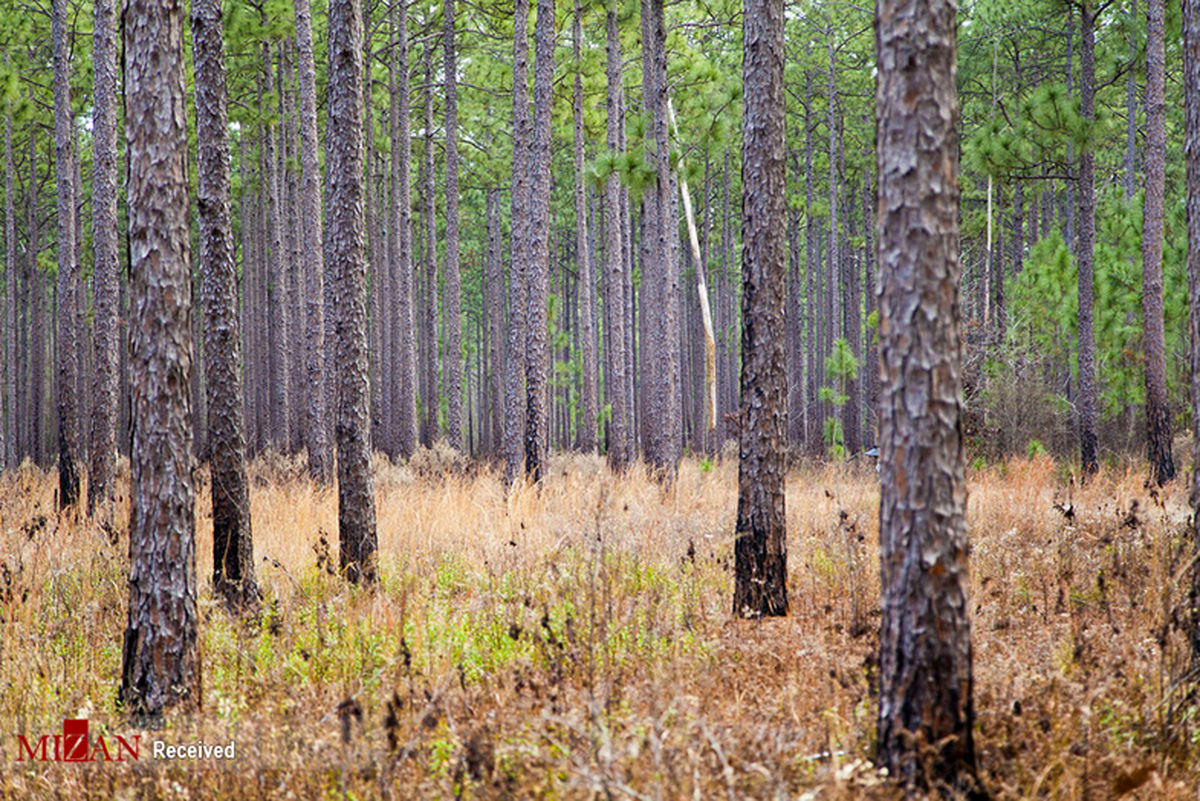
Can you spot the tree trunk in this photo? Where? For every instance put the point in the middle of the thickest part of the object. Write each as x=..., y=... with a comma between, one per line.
x=661, y=371
x=65, y=342
x=233, y=551
x=1130, y=164
x=1158, y=413
x=495, y=325
x=1085, y=237
x=926, y=711
x=538, y=255
x=514, y=366
x=104, y=237
x=11, y=420
x=430, y=311
x=614, y=254
x=356, y=499
x=761, y=545
x=315, y=427
x=1191, y=94
x=587, y=336
x=404, y=337
x=161, y=660
x=454, y=364
x=277, y=380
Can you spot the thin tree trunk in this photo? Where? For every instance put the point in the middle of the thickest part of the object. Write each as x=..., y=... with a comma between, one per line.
x=161, y=660
x=761, y=546
x=10, y=422
x=277, y=381
x=233, y=550
x=65, y=342
x=429, y=221
x=1158, y=413
x=1191, y=93
x=1084, y=255
x=405, y=334
x=320, y=465
x=495, y=325
x=454, y=364
x=587, y=336
x=356, y=500
x=514, y=367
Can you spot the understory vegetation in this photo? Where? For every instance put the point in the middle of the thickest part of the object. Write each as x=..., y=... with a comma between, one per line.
x=575, y=640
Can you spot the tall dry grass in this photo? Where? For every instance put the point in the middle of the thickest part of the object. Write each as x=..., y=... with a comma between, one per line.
x=575, y=640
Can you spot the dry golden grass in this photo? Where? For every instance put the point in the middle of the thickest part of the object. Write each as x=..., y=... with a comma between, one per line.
x=576, y=641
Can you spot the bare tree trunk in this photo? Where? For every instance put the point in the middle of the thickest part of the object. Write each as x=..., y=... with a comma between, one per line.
x=1130, y=164
x=319, y=456
x=233, y=550
x=538, y=255
x=65, y=342
x=1085, y=237
x=760, y=550
x=10, y=422
x=104, y=237
x=587, y=336
x=495, y=325
x=1191, y=94
x=454, y=364
x=1158, y=412
x=514, y=365
x=405, y=333
x=277, y=381
x=161, y=661
x=926, y=710
x=614, y=270
x=661, y=374
x=356, y=500
x=430, y=311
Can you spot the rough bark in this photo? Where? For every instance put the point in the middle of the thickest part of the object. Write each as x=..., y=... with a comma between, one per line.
x=760, y=549
x=495, y=324
x=405, y=352
x=661, y=373
x=315, y=427
x=356, y=500
x=65, y=342
x=277, y=380
x=538, y=256
x=161, y=664
x=10, y=422
x=429, y=309
x=514, y=364
x=925, y=645
x=614, y=269
x=1085, y=237
x=1191, y=93
x=454, y=362
x=587, y=336
x=233, y=551
x=105, y=281
x=1158, y=412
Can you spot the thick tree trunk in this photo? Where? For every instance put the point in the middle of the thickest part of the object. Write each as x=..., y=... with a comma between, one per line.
x=1158, y=412
x=320, y=458
x=761, y=547
x=1085, y=237
x=105, y=280
x=538, y=256
x=65, y=342
x=356, y=500
x=161, y=660
x=233, y=550
x=926, y=711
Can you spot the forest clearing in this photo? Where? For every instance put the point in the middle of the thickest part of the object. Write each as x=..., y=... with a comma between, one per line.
x=575, y=641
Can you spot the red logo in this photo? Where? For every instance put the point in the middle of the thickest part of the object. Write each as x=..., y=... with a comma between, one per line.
x=74, y=745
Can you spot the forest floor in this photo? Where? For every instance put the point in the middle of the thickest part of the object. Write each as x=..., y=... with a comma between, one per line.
x=576, y=641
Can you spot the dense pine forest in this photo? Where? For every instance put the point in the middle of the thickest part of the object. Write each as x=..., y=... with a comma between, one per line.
x=745, y=398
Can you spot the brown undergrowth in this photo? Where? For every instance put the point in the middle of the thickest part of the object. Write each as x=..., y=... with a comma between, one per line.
x=575, y=641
